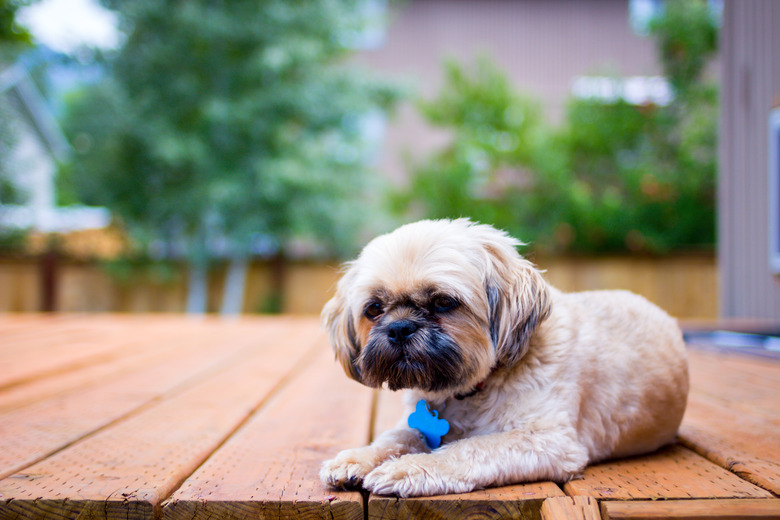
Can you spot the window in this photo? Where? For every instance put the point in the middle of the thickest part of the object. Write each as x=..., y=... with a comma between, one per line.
x=774, y=190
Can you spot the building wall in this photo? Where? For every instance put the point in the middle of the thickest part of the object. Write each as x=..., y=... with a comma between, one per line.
x=540, y=44
x=750, y=60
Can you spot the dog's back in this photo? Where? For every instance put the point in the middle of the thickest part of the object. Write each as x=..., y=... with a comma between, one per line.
x=633, y=373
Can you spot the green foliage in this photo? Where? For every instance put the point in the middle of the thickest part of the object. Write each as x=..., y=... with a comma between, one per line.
x=12, y=240
x=615, y=177
x=222, y=122
x=132, y=269
x=687, y=37
x=498, y=142
x=10, y=32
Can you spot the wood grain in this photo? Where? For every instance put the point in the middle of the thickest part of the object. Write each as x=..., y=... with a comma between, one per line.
x=733, y=415
x=269, y=468
x=731, y=452
x=692, y=509
x=673, y=472
x=127, y=468
x=136, y=351
x=56, y=345
x=518, y=501
x=389, y=411
x=31, y=433
x=570, y=508
x=109, y=416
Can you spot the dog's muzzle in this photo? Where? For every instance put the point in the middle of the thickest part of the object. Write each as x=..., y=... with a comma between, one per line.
x=407, y=354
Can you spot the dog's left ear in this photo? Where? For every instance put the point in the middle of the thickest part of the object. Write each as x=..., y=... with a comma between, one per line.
x=518, y=299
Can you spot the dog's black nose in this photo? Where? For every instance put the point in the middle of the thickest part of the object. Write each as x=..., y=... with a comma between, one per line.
x=399, y=331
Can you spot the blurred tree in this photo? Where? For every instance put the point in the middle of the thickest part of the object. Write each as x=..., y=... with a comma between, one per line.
x=11, y=32
x=643, y=177
x=616, y=177
x=229, y=128
x=499, y=145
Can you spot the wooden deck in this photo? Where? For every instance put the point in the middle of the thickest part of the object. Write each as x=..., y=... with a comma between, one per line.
x=176, y=418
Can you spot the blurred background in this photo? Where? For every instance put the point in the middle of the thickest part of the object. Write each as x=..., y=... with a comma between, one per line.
x=224, y=157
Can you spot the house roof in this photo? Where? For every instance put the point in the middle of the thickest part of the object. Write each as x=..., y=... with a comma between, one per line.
x=16, y=82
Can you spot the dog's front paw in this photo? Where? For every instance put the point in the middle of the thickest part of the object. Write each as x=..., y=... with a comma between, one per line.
x=347, y=469
x=414, y=475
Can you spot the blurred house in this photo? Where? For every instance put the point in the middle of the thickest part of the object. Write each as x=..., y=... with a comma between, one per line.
x=550, y=50
x=749, y=184
x=29, y=168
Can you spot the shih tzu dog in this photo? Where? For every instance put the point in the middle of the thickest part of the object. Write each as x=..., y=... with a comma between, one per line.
x=519, y=381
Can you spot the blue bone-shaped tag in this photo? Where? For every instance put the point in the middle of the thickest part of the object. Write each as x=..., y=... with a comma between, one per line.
x=429, y=424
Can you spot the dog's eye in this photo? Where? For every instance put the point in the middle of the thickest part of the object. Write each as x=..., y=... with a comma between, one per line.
x=373, y=310
x=443, y=303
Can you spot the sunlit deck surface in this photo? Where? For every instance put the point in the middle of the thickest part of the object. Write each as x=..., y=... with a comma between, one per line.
x=171, y=417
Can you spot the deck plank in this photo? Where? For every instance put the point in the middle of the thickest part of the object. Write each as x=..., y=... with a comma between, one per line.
x=58, y=345
x=389, y=411
x=135, y=352
x=107, y=416
x=269, y=468
x=743, y=444
x=126, y=469
x=518, y=501
x=31, y=433
x=752, y=382
x=693, y=510
x=673, y=472
x=733, y=415
x=571, y=508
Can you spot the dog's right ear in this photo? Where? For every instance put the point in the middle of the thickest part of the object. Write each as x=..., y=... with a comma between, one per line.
x=518, y=297
x=337, y=320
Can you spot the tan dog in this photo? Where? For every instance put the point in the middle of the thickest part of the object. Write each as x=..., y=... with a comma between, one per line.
x=535, y=383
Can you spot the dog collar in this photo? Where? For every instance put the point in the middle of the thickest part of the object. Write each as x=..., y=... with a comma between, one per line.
x=429, y=424
x=477, y=388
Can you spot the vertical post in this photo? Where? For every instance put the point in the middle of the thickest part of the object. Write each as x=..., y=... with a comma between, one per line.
x=235, y=282
x=49, y=267
x=197, y=288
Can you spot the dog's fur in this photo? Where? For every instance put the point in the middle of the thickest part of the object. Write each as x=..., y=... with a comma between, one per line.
x=564, y=379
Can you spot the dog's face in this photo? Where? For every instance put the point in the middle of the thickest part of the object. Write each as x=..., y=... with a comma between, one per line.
x=435, y=305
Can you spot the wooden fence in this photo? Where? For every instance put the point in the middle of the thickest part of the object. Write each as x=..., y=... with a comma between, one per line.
x=684, y=285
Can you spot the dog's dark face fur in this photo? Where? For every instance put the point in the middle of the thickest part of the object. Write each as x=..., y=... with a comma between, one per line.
x=435, y=306
x=409, y=343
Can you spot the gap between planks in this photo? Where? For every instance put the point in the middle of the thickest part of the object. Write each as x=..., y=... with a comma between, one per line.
x=300, y=367
x=33, y=434
x=738, y=429
x=139, y=352
x=165, y=451
x=270, y=467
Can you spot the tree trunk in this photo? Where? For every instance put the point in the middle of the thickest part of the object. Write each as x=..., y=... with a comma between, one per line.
x=197, y=289
x=235, y=282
